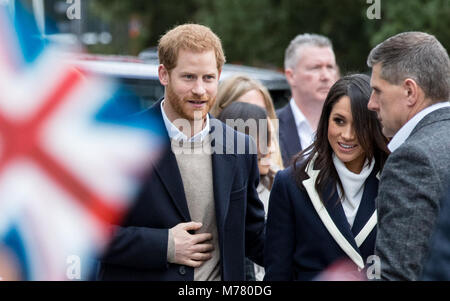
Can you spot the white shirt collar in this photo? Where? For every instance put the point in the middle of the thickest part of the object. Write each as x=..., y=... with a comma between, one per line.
x=176, y=134
x=404, y=132
x=298, y=115
x=305, y=132
x=353, y=185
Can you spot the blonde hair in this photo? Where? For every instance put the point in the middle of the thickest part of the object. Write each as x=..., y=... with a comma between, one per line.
x=194, y=37
x=234, y=87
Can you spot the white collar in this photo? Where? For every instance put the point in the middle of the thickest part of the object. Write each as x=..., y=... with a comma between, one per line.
x=349, y=179
x=298, y=115
x=353, y=185
x=176, y=134
x=304, y=130
x=404, y=132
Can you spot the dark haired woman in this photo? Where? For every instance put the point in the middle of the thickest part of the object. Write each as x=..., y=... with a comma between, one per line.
x=322, y=209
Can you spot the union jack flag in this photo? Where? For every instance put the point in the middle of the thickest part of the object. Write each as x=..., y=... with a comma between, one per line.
x=71, y=157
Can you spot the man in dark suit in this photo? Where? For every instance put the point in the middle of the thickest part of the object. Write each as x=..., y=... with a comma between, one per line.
x=437, y=267
x=198, y=214
x=311, y=70
x=411, y=89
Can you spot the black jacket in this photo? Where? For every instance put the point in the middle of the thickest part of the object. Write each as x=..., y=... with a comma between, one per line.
x=289, y=140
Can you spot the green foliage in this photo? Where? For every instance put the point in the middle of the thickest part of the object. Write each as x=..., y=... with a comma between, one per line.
x=156, y=16
x=248, y=29
x=257, y=32
x=432, y=16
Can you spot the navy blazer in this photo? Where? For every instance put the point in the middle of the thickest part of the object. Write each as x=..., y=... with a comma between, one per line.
x=437, y=266
x=303, y=237
x=139, y=249
x=290, y=144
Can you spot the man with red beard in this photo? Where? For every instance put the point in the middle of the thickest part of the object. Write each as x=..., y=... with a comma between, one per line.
x=198, y=214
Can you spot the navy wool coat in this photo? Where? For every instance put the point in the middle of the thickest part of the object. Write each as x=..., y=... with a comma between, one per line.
x=304, y=236
x=139, y=249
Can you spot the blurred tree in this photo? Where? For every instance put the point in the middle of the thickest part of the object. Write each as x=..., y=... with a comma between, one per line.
x=341, y=21
x=155, y=18
x=257, y=32
x=432, y=16
x=248, y=29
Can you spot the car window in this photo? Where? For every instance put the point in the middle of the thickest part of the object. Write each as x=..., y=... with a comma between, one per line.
x=148, y=90
x=141, y=78
x=280, y=97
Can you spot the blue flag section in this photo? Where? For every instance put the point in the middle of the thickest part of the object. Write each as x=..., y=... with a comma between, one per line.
x=30, y=39
x=13, y=241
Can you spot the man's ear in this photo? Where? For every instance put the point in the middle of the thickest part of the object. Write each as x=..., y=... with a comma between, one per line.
x=289, y=73
x=411, y=90
x=163, y=75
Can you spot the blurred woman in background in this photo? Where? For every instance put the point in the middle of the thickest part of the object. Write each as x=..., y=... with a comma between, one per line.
x=242, y=88
x=253, y=120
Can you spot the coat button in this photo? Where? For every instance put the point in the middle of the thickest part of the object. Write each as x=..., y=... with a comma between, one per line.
x=182, y=270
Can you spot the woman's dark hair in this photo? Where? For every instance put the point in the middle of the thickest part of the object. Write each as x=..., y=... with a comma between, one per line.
x=246, y=112
x=367, y=129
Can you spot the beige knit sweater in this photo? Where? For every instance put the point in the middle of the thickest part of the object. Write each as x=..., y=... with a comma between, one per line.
x=194, y=162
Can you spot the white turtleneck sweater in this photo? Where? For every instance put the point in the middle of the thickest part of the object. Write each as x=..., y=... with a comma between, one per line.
x=353, y=185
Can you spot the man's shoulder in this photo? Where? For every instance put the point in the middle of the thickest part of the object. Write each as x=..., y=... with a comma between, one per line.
x=230, y=141
x=154, y=109
x=287, y=175
x=425, y=151
x=431, y=134
x=283, y=112
x=438, y=120
x=222, y=128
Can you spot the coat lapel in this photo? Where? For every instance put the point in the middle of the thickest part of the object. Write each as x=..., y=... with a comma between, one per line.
x=223, y=169
x=169, y=173
x=337, y=214
x=223, y=163
x=333, y=218
x=288, y=133
x=366, y=217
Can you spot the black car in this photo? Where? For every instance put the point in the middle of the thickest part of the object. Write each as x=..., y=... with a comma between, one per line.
x=141, y=77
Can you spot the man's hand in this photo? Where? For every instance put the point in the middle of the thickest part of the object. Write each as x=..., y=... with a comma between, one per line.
x=191, y=249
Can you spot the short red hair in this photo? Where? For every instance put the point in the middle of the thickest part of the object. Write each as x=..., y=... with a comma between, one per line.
x=194, y=37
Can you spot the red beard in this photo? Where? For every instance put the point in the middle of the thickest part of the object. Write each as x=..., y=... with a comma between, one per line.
x=182, y=108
